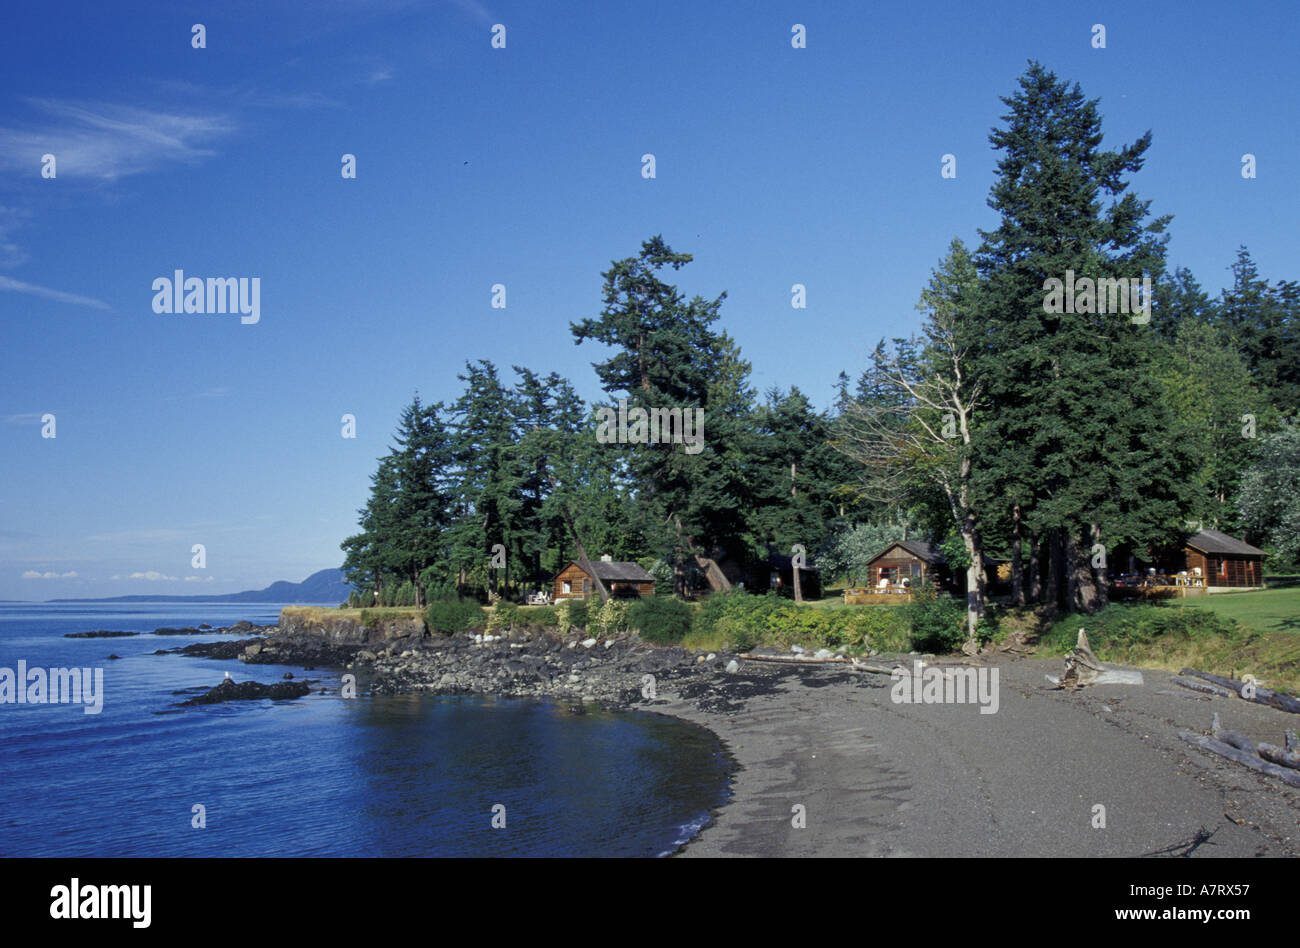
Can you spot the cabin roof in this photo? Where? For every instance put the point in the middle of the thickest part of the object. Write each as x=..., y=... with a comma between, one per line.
x=1212, y=541
x=921, y=549
x=616, y=572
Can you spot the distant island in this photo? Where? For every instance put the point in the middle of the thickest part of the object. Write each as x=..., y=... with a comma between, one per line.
x=327, y=585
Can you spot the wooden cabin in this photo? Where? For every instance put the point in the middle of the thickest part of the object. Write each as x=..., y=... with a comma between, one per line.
x=623, y=580
x=1223, y=560
x=1208, y=561
x=917, y=561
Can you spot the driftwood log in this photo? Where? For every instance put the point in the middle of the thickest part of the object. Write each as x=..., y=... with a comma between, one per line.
x=1283, y=763
x=1082, y=667
x=1284, y=774
x=1205, y=688
x=1292, y=742
x=1232, y=738
x=797, y=660
x=1261, y=695
x=1279, y=755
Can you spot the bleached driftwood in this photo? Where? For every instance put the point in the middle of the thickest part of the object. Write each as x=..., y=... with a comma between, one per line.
x=1259, y=695
x=798, y=660
x=1082, y=667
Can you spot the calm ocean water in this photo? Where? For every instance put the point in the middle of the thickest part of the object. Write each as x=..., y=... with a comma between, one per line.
x=321, y=776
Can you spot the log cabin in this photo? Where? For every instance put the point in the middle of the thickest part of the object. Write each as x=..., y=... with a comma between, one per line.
x=1224, y=561
x=623, y=580
x=917, y=561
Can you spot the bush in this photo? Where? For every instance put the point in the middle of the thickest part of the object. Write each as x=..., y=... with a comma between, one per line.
x=664, y=620
x=571, y=614
x=504, y=615
x=454, y=615
x=744, y=621
x=538, y=617
x=938, y=621
x=612, y=617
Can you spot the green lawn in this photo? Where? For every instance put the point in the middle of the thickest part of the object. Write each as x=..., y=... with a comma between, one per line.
x=1266, y=610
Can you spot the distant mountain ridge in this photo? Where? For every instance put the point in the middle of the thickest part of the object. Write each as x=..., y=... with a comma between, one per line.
x=324, y=586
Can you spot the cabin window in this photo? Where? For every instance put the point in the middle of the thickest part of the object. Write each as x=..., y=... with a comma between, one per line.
x=1223, y=568
x=567, y=587
x=586, y=586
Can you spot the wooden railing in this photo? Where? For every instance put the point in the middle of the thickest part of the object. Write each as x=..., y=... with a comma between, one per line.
x=888, y=596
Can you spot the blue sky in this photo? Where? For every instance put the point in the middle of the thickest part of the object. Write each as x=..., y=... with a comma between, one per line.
x=519, y=166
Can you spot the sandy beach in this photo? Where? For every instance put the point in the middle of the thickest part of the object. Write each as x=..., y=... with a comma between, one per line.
x=876, y=778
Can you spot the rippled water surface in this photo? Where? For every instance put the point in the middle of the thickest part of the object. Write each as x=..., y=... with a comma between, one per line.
x=321, y=776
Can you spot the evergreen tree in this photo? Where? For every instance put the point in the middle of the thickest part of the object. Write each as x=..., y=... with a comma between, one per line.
x=1075, y=389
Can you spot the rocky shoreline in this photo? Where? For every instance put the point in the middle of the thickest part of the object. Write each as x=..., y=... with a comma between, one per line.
x=616, y=673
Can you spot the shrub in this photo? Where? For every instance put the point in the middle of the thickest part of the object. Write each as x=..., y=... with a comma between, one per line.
x=571, y=614
x=938, y=621
x=745, y=620
x=663, y=620
x=612, y=617
x=504, y=615
x=538, y=617
x=454, y=615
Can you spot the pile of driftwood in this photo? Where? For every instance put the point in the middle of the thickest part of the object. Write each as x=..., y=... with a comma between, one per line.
x=1280, y=762
x=1246, y=689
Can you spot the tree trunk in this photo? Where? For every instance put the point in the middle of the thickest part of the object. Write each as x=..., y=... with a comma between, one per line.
x=794, y=578
x=1056, y=576
x=718, y=582
x=972, y=540
x=679, y=575
x=1017, y=564
x=1103, y=574
x=1034, y=593
x=1082, y=587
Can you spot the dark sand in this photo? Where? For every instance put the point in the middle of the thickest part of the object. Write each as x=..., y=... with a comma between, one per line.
x=885, y=779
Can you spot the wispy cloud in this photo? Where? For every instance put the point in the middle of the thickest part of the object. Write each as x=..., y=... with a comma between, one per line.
x=27, y=418
x=107, y=141
x=199, y=579
x=11, y=218
x=152, y=576
x=32, y=574
x=18, y=286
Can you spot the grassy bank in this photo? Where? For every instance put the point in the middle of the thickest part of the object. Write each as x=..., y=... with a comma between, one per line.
x=1227, y=634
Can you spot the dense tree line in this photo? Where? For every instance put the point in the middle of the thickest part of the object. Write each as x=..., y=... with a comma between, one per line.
x=1005, y=428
